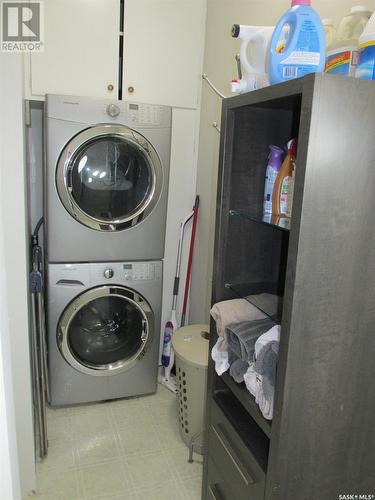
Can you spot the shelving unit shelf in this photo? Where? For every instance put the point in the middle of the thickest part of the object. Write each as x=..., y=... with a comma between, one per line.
x=314, y=275
x=248, y=402
x=262, y=218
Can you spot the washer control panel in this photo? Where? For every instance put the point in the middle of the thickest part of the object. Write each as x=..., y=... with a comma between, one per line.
x=125, y=272
x=139, y=271
x=108, y=273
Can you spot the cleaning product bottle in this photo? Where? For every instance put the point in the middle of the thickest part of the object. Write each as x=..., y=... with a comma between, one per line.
x=297, y=44
x=330, y=31
x=281, y=194
x=275, y=160
x=366, y=46
x=342, y=53
x=257, y=38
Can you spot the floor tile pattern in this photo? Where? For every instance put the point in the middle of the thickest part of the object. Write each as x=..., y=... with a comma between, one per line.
x=120, y=450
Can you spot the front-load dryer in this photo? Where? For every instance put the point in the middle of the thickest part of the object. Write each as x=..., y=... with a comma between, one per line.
x=103, y=323
x=106, y=179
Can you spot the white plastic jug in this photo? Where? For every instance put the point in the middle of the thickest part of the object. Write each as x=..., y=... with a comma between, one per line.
x=366, y=66
x=257, y=39
x=342, y=54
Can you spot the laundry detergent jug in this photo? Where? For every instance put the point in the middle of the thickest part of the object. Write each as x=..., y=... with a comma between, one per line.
x=253, y=57
x=342, y=53
x=366, y=46
x=297, y=44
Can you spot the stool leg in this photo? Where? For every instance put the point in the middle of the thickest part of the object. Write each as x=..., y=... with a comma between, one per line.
x=191, y=449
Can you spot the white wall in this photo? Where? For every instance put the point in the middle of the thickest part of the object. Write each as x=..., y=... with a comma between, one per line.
x=9, y=473
x=220, y=66
x=14, y=316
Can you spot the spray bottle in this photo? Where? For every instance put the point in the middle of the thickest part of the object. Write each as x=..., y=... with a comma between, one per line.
x=275, y=160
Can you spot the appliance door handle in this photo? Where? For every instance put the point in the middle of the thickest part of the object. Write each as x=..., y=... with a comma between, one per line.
x=70, y=283
x=246, y=477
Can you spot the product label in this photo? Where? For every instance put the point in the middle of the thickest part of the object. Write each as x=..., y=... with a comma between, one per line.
x=290, y=197
x=343, y=62
x=366, y=66
x=284, y=195
x=268, y=189
x=167, y=341
x=305, y=58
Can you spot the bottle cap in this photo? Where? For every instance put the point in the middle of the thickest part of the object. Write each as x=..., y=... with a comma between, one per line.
x=276, y=151
x=327, y=22
x=301, y=2
x=292, y=147
x=358, y=8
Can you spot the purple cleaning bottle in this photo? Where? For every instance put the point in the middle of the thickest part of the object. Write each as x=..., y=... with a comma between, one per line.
x=275, y=160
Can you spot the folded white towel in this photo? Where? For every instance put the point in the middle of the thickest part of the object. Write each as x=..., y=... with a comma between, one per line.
x=269, y=336
x=254, y=381
x=220, y=357
x=254, y=385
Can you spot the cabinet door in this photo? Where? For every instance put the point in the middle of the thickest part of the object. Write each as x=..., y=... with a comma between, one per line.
x=81, y=49
x=163, y=51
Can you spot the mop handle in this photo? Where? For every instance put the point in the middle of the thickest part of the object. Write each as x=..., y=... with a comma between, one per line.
x=176, y=283
x=190, y=261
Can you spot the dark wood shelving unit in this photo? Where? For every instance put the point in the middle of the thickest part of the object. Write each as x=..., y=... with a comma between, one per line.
x=314, y=275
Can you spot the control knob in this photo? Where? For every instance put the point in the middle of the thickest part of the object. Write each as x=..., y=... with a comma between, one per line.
x=113, y=110
x=108, y=273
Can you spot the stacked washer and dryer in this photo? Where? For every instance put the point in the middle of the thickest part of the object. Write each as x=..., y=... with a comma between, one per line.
x=106, y=186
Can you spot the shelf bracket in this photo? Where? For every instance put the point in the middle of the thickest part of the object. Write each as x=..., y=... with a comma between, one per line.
x=213, y=87
x=216, y=127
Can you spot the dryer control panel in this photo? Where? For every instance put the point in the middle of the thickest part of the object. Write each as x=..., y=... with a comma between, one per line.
x=95, y=111
x=145, y=114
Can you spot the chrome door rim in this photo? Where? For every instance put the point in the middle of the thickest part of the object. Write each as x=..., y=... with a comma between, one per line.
x=76, y=144
x=85, y=298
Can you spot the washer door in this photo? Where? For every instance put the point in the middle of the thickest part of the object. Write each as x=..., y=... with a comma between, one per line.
x=109, y=177
x=105, y=330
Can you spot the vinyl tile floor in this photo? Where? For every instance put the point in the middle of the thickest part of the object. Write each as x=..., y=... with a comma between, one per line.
x=126, y=449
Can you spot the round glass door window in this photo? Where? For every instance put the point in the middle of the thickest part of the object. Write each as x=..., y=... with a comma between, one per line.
x=105, y=330
x=109, y=177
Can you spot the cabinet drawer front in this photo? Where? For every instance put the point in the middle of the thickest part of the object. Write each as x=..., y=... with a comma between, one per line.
x=233, y=459
x=217, y=487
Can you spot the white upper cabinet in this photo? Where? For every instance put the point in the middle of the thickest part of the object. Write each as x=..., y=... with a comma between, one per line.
x=81, y=50
x=163, y=51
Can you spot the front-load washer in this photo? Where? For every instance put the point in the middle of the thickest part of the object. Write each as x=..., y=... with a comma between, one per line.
x=103, y=322
x=106, y=179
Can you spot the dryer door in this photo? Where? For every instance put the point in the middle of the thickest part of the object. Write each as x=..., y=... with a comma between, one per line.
x=109, y=177
x=105, y=330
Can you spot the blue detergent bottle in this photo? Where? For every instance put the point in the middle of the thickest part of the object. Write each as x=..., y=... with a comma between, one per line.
x=298, y=44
